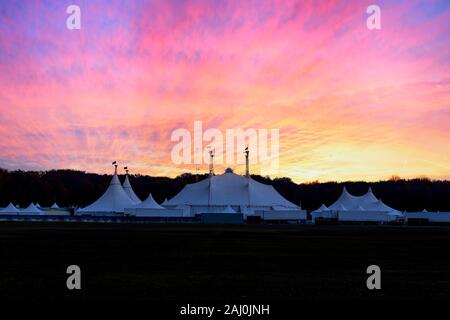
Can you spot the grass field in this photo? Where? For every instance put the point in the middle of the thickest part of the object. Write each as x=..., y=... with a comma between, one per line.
x=215, y=263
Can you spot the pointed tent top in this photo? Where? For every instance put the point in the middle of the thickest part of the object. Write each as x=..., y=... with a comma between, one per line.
x=115, y=180
x=115, y=199
x=149, y=203
x=424, y=210
x=129, y=191
x=228, y=209
x=54, y=206
x=31, y=209
x=323, y=207
x=38, y=205
x=370, y=190
x=10, y=209
x=165, y=202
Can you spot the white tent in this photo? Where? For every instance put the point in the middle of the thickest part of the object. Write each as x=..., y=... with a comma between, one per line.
x=149, y=203
x=54, y=206
x=228, y=209
x=230, y=189
x=129, y=191
x=38, y=205
x=359, y=208
x=321, y=209
x=367, y=202
x=216, y=193
x=31, y=209
x=114, y=200
x=10, y=209
x=150, y=208
x=322, y=212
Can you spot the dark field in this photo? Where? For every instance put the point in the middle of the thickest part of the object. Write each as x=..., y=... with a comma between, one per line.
x=194, y=263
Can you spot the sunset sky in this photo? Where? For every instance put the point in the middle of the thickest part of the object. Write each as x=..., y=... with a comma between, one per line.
x=350, y=103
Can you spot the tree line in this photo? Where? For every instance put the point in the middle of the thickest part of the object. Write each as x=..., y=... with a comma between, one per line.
x=78, y=188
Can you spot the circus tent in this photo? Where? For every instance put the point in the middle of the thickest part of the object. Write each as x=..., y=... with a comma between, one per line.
x=31, y=209
x=114, y=200
x=54, y=206
x=358, y=208
x=229, y=191
x=148, y=207
x=10, y=209
x=129, y=190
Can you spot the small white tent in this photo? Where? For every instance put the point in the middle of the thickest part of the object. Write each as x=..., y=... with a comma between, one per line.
x=10, y=209
x=54, y=206
x=228, y=209
x=148, y=207
x=31, y=209
x=322, y=212
x=365, y=208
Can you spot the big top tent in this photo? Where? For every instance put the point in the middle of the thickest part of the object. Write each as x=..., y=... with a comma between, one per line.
x=242, y=194
x=114, y=200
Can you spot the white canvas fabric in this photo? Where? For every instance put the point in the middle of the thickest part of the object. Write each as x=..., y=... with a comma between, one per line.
x=31, y=209
x=228, y=209
x=149, y=203
x=321, y=209
x=10, y=209
x=367, y=202
x=54, y=206
x=230, y=189
x=115, y=199
x=129, y=191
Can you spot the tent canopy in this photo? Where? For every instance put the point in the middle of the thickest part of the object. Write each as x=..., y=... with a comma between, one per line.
x=10, y=209
x=229, y=189
x=115, y=199
x=31, y=209
x=129, y=191
x=367, y=202
x=54, y=206
x=149, y=203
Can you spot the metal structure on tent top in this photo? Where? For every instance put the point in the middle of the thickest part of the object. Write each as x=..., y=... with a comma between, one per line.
x=115, y=166
x=247, y=169
x=211, y=163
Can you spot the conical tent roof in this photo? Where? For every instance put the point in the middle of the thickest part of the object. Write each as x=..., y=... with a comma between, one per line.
x=10, y=209
x=54, y=206
x=149, y=203
x=38, y=205
x=368, y=202
x=322, y=208
x=230, y=189
x=129, y=191
x=31, y=209
x=165, y=202
x=114, y=199
x=228, y=209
